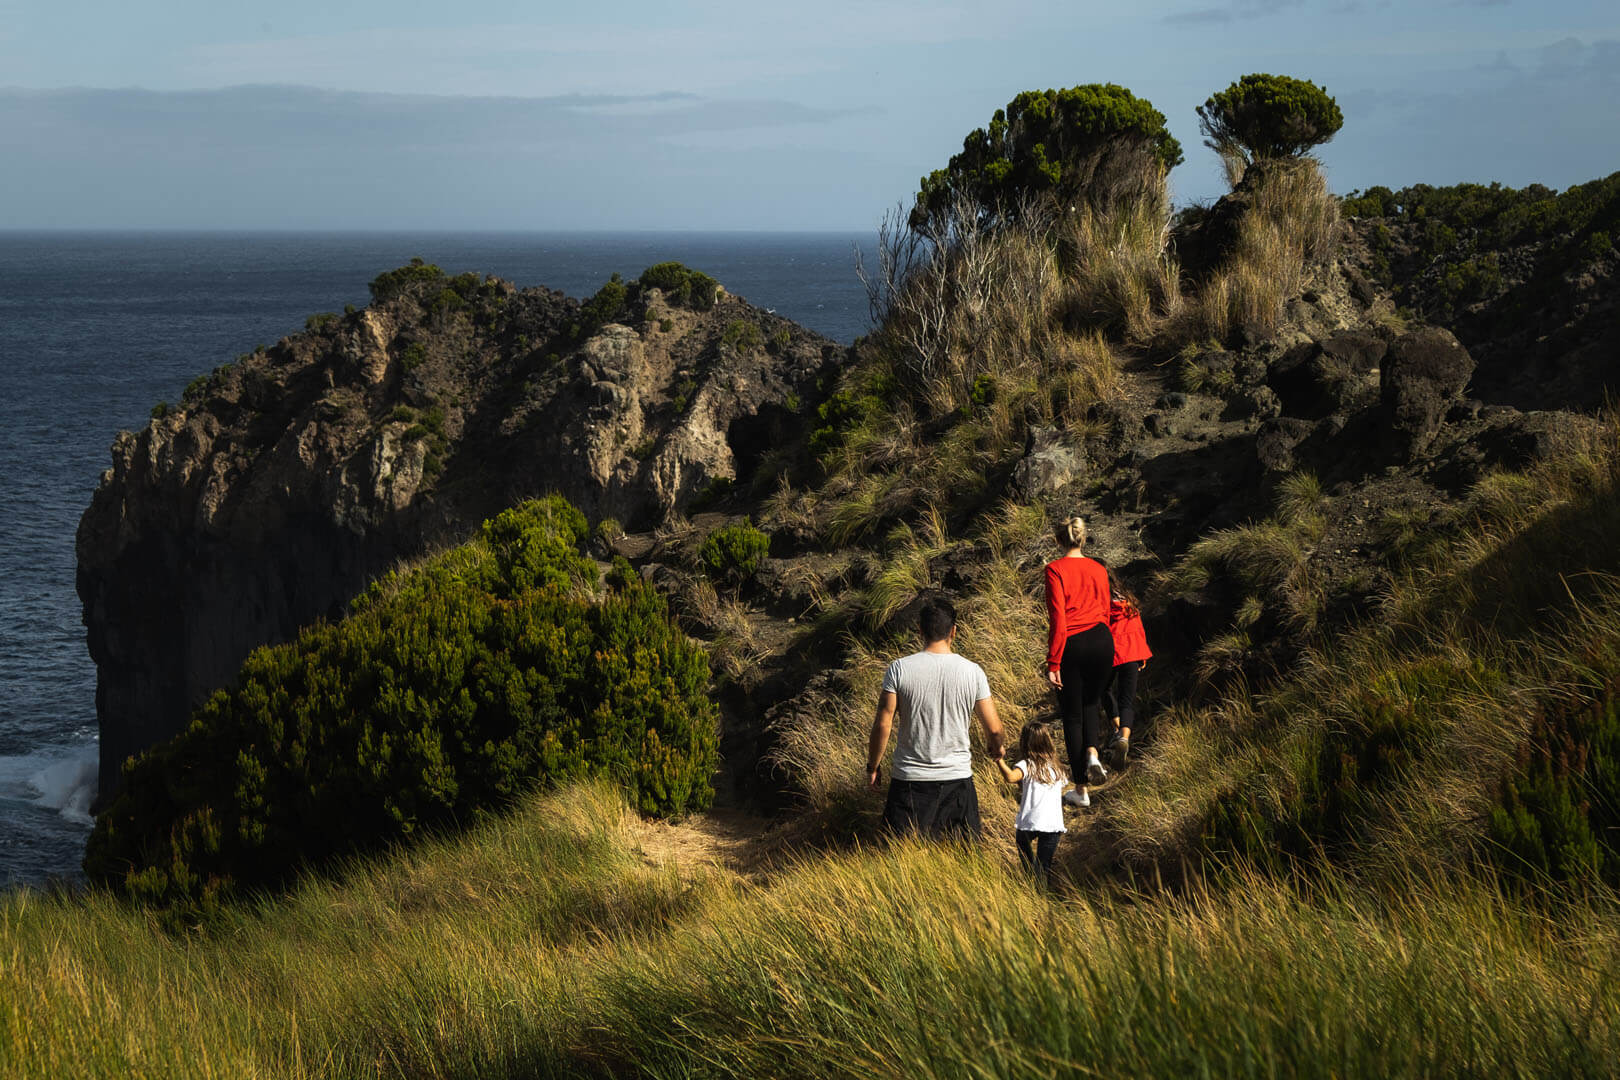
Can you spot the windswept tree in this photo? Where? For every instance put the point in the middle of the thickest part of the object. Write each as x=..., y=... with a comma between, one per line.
x=1267, y=116
x=1095, y=143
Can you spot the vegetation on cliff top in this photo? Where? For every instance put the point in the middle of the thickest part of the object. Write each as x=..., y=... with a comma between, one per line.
x=1268, y=116
x=1091, y=143
x=1446, y=248
x=451, y=689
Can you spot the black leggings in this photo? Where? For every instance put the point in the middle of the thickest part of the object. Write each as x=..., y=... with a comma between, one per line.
x=1036, y=851
x=1121, y=697
x=1088, y=660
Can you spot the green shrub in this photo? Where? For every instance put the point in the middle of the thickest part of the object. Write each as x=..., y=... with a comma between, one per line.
x=392, y=283
x=1559, y=818
x=733, y=552
x=681, y=286
x=1268, y=116
x=413, y=356
x=741, y=335
x=604, y=307
x=161, y=409
x=320, y=320
x=449, y=690
x=1092, y=142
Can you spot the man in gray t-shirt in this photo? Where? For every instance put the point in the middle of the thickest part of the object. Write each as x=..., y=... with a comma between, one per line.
x=936, y=693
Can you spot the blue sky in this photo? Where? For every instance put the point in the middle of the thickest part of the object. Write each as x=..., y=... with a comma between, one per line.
x=724, y=114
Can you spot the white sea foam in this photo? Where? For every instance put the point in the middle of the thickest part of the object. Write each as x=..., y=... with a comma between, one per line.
x=62, y=779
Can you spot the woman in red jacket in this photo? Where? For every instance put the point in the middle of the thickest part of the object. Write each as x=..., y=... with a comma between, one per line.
x=1079, y=651
x=1131, y=654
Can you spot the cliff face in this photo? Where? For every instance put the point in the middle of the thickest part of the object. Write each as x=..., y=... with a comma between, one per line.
x=287, y=481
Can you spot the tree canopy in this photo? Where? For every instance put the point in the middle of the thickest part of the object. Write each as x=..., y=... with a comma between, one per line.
x=1093, y=142
x=1268, y=116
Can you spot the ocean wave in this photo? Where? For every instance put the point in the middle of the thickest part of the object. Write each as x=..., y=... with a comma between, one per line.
x=61, y=779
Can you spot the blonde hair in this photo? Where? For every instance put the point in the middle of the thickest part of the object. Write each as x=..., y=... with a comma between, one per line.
x=1071, y=531
x=1037, y=747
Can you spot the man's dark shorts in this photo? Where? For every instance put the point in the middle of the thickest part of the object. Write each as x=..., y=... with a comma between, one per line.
x=934, y=807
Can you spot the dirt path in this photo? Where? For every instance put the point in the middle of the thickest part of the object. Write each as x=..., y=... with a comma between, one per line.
x=726, y=840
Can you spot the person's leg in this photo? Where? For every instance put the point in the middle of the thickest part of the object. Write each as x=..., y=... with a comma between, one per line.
x=1026, y=849
x=954, y=810
x=1094, y=662
x=1110, y=706
x=1126, y=679
x=1045, y=851
x=1069, y=705
x=900, y=808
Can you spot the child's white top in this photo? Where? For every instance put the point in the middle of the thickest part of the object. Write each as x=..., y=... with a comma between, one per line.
x=1040, y=807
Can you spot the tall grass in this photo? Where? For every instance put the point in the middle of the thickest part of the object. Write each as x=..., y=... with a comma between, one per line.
x=544, y=947
x=1289, y=229
x=1391, y=742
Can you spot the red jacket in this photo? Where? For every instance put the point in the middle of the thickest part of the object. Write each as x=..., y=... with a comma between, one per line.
x=1130, y=639
x=1076, y=600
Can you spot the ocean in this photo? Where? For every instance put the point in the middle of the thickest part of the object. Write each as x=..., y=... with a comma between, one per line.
x=96, y=328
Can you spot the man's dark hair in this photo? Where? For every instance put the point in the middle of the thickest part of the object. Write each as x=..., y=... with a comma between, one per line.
x=936, y=619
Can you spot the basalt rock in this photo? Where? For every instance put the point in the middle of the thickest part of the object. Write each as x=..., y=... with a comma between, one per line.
x=288, y=481
x=1424, y=372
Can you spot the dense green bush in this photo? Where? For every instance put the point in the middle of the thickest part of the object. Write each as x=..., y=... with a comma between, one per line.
x=741, y=335
x=449, y=690
x=681, y=286
x=391, y=283
x=733, y=552
x=1091, y=142
x=1450, y=237
x=1389, y=727
x=1559, y=818
x=1268, y=116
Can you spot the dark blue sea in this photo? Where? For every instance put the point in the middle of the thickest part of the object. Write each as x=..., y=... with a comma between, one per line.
x=95, y=328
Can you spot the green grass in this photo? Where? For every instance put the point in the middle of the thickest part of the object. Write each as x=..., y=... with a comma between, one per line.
x=1391, y=743
x=544, y=945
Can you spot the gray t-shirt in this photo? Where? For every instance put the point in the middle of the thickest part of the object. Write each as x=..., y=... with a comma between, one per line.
x=937, y=692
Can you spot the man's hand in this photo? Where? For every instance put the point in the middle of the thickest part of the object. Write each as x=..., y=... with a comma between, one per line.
x=874, y=773
x=1054, y=677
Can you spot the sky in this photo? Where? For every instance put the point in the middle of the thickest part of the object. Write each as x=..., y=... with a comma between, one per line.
x=722, y=114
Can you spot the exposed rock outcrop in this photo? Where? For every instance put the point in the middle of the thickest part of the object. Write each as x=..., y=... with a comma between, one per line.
x=289, y=480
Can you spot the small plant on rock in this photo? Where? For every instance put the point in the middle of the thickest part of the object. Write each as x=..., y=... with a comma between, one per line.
x=733, y=553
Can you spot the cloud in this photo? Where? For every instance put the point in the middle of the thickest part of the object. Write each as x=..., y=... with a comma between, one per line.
x=1534, y=116
x=713, y=46
x=1239, y=9
x=269, y=155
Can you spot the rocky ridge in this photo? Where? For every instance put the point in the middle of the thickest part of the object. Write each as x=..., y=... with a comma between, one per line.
x=287, y=481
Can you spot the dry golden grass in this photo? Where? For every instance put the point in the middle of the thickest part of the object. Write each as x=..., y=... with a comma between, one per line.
x=563, y=941
x=1290, y=228
x=1517, y=612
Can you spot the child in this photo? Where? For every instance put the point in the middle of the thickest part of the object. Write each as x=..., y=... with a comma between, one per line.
x=1040, y=808
x=1131, y=654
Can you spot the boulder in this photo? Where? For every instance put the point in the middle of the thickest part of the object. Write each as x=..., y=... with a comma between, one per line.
x=1254, y=403
x=1049, y=464
x=1276, y=441
x=1422, y=374
x=1335, y=375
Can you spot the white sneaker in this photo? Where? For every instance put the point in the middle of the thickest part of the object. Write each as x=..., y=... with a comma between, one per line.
x=1095, y=773
x=1077, y=799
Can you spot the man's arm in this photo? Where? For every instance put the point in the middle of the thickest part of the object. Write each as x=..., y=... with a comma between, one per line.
x=882, y=724
x=985, y=710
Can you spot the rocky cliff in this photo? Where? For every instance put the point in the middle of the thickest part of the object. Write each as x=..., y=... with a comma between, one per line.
x=285, y=482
